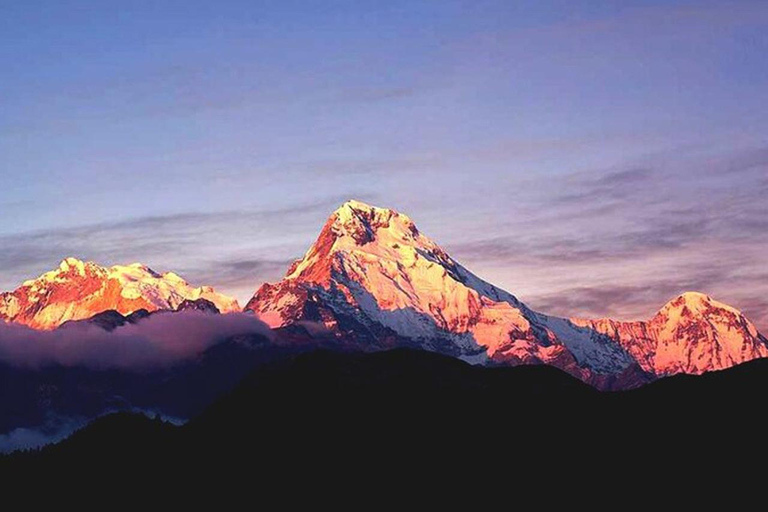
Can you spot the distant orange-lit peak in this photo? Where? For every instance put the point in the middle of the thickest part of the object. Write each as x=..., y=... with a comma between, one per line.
x=71, y=263
x=695, y=297
x=70, y=260
x=77, y=289
x=354, y=204
x=696, y=302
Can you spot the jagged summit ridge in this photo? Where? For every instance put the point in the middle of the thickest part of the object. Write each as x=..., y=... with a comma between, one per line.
x=372, y=267
x=72, y=263
x=368, y=232
x=79, y=289
x=362, y=222
x=694, y=303
x=354, y=227
x=692, y=333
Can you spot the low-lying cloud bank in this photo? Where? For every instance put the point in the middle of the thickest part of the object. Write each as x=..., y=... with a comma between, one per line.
x=25, y=438
x=58, y=428
x=161, y=340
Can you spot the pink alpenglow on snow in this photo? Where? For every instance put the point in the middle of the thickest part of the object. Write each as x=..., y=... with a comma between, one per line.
x=77, y=290
x=373, y=277
x=692, y=333
x=373, y=280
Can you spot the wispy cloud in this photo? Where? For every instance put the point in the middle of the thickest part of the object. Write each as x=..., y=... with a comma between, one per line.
x=54, y=430
x=610, y=185
x=233, y=273
x=233, y=250
x=620, y=242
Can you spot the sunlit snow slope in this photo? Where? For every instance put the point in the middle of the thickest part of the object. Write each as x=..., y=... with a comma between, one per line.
x=77, y=290
x=373, y=278
x=372, y=274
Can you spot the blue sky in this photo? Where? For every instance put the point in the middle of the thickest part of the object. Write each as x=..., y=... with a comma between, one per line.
x=594, y=158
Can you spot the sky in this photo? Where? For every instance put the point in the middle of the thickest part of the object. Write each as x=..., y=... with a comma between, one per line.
x=594, y=158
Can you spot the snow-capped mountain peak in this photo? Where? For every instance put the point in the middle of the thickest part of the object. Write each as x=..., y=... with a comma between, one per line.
x=372, y=276
x=79, y=289
x=692, y=333
x=372, y=267
x=692, y=304
x=384, y=252
x=357, y=228
x=70, y=263
x=363, y=222
x=68, y=267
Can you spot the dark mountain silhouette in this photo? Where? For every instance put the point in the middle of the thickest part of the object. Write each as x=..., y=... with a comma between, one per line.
x=409, y=416
x=33, y=397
